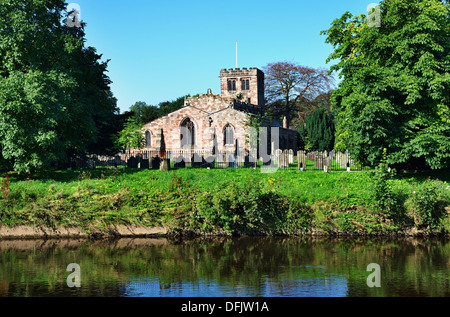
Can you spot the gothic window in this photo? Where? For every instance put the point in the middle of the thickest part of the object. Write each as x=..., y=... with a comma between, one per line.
x=148, y=139
x=232, y=85
x=245, y=84
x=187, y=136
x=228, y=135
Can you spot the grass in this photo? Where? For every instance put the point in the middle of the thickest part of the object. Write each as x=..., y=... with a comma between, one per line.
x=218, y=200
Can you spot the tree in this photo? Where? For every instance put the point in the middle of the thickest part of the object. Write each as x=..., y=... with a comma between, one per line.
x=130, y=137
x=54, y=95
x=395, y=88
x=144, y=113
x=167, y=107
x=317, y=133
x=289, y=84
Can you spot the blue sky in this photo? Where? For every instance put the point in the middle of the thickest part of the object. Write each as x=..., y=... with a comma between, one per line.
x=162, y=50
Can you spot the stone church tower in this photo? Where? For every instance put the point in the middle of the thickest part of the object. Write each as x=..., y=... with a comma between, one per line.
x=246, y=85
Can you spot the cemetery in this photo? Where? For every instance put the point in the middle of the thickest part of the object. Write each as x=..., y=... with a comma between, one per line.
x=280, y=159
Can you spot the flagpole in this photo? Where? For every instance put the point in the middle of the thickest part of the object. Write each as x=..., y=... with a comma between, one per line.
x=236, y=54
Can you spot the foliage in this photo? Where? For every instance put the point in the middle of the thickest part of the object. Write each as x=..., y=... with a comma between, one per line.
x=248, y=208
x=143, y=113
x=395, y=84
x=427, y=209
x=227, y=201
x=131, y=136
x=383, y=195
x=318, y=131
x=54, y=94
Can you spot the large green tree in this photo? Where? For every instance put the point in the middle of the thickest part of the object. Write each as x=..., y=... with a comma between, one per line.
x=55, y=98
x=317, y=133
x=395, y=88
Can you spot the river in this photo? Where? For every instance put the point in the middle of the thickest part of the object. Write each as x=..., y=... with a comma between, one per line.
x=226, y=267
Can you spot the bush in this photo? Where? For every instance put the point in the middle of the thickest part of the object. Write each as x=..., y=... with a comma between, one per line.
x=385, y=199
x=428, y=204
x=248, y=208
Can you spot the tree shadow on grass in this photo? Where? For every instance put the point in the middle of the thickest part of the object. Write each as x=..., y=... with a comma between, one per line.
x=68, y=176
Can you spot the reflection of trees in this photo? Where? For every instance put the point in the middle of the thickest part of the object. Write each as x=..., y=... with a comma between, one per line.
x=409, y=267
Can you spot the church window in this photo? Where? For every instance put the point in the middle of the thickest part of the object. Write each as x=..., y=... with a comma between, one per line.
x=232, y=85
x=245, y=84
x=187, y=136
x=148, y=139
x=228, y=135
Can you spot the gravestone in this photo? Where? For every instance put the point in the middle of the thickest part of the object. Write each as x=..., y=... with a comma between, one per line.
x=210, y=162
x=277, y=154
x=291, y=156
x=196, y=160
x=144, y=163
x=326, y=163
x=165, y=165
x=132, y=162
x=179, y=162
x=301, y=160
x=318, y=160
x=283, y=159
x=343, y=159
x=247, y=162
x=90, y=164
x=156, y=162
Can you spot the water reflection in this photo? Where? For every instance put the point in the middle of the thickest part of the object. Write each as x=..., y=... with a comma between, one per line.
x=225, y=267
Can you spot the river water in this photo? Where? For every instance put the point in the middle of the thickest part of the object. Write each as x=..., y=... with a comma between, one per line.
x=226, y=267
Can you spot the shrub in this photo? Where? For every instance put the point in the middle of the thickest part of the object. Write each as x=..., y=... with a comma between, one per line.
x=248, y=208
x=385, y=199
x=427, y=204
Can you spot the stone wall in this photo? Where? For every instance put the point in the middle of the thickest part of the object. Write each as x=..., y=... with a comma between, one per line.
x=256, y=77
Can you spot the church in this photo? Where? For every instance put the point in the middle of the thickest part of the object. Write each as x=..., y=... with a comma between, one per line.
x=211, y=123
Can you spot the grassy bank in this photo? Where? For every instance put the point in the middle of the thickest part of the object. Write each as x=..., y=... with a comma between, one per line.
x=230, y=201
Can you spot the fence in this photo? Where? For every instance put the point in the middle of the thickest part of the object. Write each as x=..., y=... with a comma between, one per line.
x=200, y=158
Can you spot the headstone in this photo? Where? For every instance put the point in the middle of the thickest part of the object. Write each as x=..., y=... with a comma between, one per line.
x=132, y=162
x=165, y=165
x=196, y=160
x=179, y=162
x=291, y=156
x=318, y=160
x=90, y=164
x=283, y=159
x=156, y=162
x=210, y=162
x=144, y=163
x=278, y=152
x=301, y=160
x=343, y=159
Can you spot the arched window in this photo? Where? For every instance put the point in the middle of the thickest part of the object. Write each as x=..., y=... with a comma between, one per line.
x=148, y=139
x=228, y=135
x=245, y=84
x=187, y=136
x=232, y=85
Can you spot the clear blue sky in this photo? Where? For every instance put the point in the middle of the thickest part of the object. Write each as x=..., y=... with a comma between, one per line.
x=162, y=50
